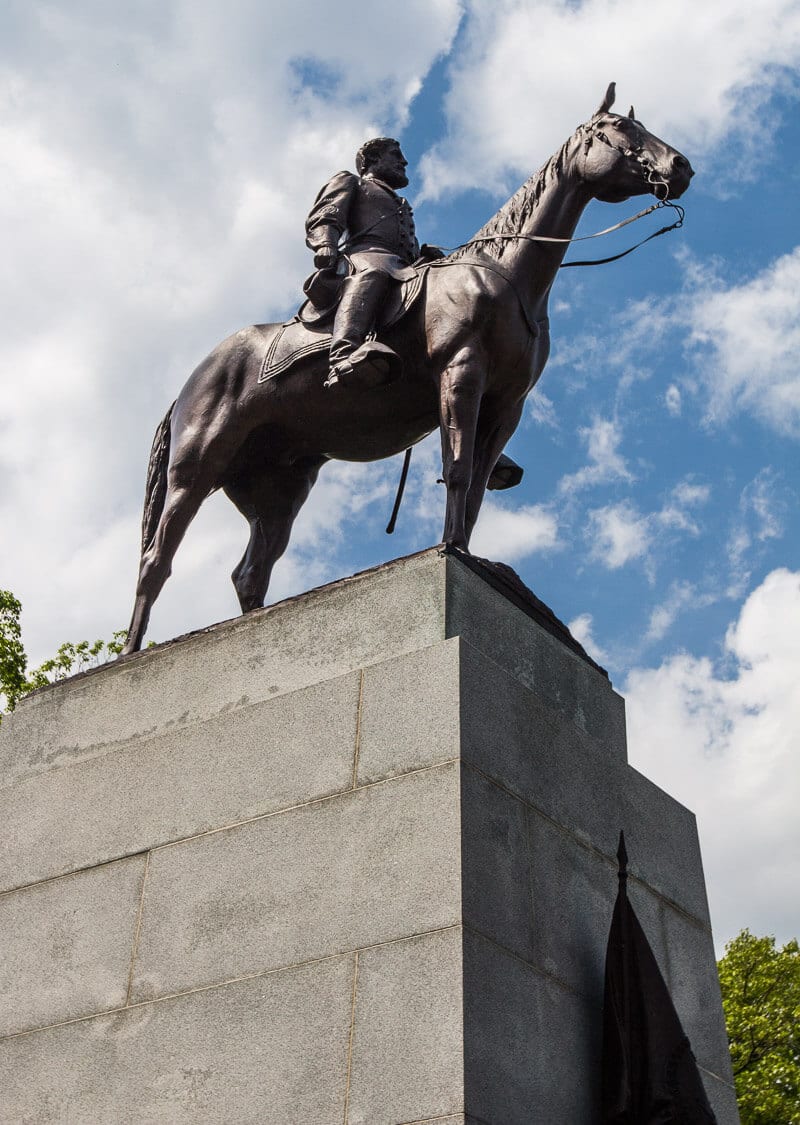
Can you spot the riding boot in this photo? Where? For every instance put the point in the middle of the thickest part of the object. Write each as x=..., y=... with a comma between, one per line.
x=362, y=296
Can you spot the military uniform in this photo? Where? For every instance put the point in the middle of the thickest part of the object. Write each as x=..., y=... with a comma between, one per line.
x=380, y=243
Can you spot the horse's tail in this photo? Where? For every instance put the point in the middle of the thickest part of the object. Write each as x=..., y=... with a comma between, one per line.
x=156, y=487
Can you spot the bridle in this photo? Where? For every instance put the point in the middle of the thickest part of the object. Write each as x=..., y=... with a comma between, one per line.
x=653, y=179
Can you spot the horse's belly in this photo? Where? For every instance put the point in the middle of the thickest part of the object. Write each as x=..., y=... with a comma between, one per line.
x=374, y=447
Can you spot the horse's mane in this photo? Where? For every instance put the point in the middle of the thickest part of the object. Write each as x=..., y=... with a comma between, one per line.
x=513, y=215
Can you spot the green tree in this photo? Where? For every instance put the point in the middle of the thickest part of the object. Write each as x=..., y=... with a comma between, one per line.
x=13, y=661
x=71, y=657
x=761, y=996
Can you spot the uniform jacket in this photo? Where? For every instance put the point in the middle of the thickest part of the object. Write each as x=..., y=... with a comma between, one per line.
x=378, y=224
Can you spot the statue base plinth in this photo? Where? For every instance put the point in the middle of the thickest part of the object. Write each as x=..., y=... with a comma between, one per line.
x=350, y=858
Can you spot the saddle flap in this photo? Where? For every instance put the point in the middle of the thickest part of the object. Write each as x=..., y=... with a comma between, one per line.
x=310, y=330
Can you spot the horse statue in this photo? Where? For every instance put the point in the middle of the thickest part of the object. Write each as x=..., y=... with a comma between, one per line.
x=473, y=346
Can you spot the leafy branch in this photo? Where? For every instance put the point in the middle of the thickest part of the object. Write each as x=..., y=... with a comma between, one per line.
x=72, y=657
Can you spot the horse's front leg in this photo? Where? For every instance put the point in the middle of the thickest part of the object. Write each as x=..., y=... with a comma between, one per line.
x=461, y=391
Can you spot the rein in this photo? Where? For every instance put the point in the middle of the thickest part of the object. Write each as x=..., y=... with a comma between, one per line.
x=624, y=253
x=586, y=237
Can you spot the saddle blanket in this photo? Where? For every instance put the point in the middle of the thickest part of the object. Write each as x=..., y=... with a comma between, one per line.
x=294, y=340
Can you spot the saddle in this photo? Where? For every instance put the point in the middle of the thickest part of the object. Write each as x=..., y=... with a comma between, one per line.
x=310, y=330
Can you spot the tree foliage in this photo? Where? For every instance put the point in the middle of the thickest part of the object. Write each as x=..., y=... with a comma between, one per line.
x=13, y=661
x=761, y=996
x=71, y=657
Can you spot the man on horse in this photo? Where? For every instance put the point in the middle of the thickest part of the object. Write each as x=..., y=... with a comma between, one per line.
x=380, y=247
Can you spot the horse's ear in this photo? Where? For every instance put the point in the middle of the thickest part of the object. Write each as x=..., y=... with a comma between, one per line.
x=632, y=114
x=608, y=100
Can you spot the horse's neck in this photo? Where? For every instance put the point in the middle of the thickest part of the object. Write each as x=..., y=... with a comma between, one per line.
x=561, y=200
x=534, y=265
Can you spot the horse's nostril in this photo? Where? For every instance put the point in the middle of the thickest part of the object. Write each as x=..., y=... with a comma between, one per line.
x=680, y=163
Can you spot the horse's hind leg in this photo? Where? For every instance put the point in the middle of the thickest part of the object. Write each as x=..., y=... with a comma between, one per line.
x=190, y=480
x=269, y=502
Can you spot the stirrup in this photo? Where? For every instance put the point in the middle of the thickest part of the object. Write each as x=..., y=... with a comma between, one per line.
x=371, y=365
x=338, y=374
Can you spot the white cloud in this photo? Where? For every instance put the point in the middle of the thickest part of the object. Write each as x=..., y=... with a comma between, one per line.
x=746, y=340
x=687, y=493
x=681, y=597
x=511, y=535
x=512, y=56
x=759, y=519
x=606, y=463
x=675, y=515
x=672, y=401
x=741, y=342
x=723, y=741
x=618, y=534
x=581, y=628
x=541, y=409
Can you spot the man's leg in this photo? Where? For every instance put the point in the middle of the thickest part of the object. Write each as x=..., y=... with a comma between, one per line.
x=362, y=296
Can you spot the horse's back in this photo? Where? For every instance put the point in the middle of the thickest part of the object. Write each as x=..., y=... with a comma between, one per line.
x=214, y=396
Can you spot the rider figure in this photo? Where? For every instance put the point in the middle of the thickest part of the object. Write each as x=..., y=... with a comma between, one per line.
x=380, y=246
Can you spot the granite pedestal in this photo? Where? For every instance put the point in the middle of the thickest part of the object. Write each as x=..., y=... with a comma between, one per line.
x=349, y=859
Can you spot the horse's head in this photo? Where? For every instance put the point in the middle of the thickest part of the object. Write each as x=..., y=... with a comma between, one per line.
x=620, y=158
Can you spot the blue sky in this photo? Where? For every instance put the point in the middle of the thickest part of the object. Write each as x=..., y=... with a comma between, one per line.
x=157, y=166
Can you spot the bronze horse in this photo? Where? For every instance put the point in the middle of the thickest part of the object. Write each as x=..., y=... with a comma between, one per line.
x=472, y=347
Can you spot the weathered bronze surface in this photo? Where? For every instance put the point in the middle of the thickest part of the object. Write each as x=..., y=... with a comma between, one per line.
x=472, y=347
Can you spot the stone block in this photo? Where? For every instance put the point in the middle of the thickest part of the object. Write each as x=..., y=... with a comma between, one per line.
x=268, y=1051
x=515, y=736
x=689, y=954
x=355, y=870
x=206, y=775
x=662, y=843
x=498, y=629
x=495, y=858
x=455, y=1119
x=67, y=945
x=511, y=735
x=410, y=712
x=325, y=633
x=531, y=1047
x=722, y=1098
x=573, y=890
x=407, y=1058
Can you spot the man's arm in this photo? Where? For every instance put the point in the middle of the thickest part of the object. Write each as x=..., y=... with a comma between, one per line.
x=328, y=218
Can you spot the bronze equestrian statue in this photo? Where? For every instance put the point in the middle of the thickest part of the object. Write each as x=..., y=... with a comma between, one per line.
x=473, y=343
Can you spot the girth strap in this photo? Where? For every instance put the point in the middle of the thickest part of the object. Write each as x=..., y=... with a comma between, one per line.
x=534, y=326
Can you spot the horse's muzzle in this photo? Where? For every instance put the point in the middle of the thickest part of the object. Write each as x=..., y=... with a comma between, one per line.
x=680, y=176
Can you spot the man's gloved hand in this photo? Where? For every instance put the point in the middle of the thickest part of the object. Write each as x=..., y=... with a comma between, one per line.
x=326, y=257
x=430, y=253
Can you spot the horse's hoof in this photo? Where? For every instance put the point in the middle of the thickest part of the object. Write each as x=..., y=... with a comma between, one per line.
x=456, y=546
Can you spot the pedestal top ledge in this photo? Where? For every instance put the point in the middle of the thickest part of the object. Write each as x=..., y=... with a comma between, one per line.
x=400, y=607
